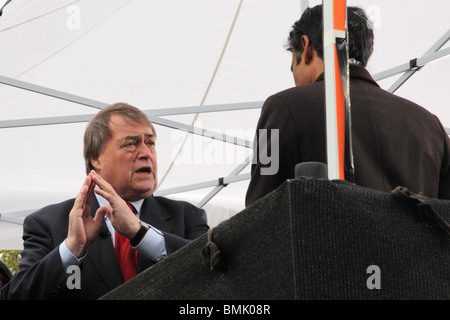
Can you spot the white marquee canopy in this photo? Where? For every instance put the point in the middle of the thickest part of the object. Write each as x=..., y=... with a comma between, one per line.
x=164, y=56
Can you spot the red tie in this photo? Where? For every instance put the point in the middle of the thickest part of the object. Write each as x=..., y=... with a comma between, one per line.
x=126, y=255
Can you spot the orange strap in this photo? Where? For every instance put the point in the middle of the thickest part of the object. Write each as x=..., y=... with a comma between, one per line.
x=339, y=17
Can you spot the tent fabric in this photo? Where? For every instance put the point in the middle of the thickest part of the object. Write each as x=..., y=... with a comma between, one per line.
x=166, y=54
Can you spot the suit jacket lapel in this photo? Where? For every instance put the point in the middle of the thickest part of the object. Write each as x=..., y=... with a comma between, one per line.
x=102, y=255
x=152, y=213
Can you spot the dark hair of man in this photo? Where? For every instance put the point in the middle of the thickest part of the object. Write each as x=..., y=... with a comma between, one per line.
x=360, y=34
x=98, y=131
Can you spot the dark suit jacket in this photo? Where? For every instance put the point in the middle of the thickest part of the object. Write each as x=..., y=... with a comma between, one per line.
x=395, y=141
x=41, y=274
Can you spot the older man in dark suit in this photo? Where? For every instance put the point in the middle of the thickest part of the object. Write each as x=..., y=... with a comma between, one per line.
x=114, y=229
x=395, y=141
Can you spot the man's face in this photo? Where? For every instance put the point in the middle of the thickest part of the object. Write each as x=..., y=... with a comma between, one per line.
x=128, y=161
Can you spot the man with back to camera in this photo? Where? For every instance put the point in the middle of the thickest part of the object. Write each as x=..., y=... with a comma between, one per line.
x=395, y=141
x=114, y=228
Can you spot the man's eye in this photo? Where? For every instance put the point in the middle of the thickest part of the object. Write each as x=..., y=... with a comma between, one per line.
x=129, y=145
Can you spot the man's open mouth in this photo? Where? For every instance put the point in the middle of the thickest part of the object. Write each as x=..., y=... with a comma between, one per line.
x=144, y=170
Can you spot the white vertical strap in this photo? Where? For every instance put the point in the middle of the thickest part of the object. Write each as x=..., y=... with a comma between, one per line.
x=330, y=91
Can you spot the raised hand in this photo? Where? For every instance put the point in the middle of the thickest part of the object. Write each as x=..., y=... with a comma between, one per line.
x=83, y=229
x=122, y=218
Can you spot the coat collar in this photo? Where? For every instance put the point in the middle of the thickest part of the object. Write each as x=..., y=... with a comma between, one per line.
x=356, y=72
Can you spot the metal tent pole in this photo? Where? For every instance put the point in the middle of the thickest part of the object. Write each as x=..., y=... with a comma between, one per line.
x=225, y=181
x=415, y=66
x=334, y=26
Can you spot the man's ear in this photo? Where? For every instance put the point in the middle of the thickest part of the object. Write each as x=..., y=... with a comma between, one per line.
x=95, y=163
x=308, y=49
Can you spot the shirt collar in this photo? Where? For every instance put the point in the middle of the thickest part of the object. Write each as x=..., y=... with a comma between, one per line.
x=136, y=204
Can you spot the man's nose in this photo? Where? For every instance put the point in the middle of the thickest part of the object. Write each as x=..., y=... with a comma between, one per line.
x=144, y=151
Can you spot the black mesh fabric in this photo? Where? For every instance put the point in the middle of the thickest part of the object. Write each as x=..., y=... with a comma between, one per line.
x=340, y=230
x=310, y=239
